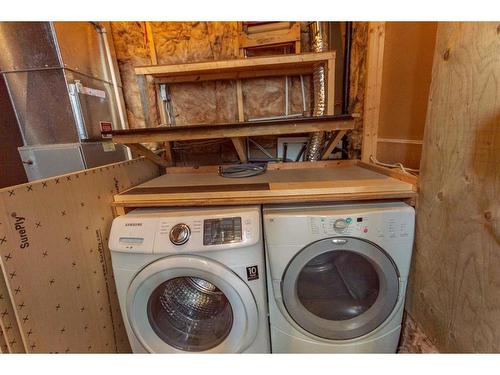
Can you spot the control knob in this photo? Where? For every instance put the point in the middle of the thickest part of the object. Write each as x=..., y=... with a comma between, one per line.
x=340, y=225
x=179, y=234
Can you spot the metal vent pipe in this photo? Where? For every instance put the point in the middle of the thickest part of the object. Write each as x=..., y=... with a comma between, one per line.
x=319, y=43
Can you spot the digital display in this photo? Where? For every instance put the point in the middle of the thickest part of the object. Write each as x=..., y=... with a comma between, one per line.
x=221, y=231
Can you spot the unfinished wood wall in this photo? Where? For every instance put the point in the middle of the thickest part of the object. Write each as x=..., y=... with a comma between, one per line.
x=59, y=294
x=215, y=102
x=455, y=281
x=399, y=66
x=406, y=78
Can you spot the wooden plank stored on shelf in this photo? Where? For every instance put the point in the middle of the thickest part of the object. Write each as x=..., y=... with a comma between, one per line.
x=270, y=166
x=231, y=130
x=284, y=35
x=292, y=71
x=277, y=63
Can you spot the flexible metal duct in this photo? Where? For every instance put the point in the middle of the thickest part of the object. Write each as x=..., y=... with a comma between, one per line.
x=319, y=43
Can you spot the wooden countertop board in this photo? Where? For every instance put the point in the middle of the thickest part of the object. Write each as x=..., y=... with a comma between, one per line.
x=334, y=183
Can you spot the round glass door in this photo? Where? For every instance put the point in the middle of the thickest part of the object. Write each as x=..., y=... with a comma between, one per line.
x=190, y=313
x=191, y=304
x=340, y=288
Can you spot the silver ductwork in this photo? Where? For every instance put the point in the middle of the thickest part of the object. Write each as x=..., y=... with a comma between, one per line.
x=319, y=43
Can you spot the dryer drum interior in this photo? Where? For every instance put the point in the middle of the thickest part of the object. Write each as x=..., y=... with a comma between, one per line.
x=338, y=285
x=340, y=292
x=190, y=313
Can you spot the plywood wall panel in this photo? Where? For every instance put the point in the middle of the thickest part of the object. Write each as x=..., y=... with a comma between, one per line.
x=455, y=281
x=406, y=78
x=406, y=153
x=11, y=340
x=56, y=262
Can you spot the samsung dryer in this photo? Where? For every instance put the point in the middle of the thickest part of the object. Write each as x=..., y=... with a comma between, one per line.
x=192, y=280
x=337, y=276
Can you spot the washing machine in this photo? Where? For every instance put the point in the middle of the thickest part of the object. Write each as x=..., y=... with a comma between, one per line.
x=337, y=276
x=192, y=280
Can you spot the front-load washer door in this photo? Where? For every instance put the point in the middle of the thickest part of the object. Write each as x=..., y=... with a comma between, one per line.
x=191, y=304
x=340, y=288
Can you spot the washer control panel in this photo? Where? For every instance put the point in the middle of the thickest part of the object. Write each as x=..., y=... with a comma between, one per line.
x=164, y=231
x=222, y=231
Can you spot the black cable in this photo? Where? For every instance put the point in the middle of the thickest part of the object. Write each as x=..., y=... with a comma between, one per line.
x=242, y=170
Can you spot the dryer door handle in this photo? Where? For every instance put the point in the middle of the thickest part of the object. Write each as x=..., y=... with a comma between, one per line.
x=339, y=241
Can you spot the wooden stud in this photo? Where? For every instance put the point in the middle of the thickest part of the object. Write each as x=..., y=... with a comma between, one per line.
x=143, y=151
x=239, y=143
x=374, y=71
x=330, y=97
x=151, y=43
x=142, y=84
x=239, y=94
x=332, y=144
x=241, y=148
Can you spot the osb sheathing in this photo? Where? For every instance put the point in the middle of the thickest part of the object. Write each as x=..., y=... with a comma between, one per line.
x=215, y=101
x=56, y=263
x=357, y=86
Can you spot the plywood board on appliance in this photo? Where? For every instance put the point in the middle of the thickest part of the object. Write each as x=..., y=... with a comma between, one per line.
x=348, y=181
x=61, y=284
x=271, y=176
x=455, y=284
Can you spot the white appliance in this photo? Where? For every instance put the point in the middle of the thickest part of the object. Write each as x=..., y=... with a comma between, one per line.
x=46, y=161
x=192, y=280
x=337, y=276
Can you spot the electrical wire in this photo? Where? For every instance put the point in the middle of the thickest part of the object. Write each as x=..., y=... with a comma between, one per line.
x=242, y=170
x=395, y=165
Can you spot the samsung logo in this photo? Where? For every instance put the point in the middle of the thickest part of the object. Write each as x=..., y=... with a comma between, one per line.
x=133, y=224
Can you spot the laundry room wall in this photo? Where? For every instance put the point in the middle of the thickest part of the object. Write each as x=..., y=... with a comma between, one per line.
x=454, y=292
x=57, y=292
x=215, y=101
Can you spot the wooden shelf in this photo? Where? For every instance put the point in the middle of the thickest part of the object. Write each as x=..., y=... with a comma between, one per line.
x=235, y=69
x=283, y=182
x=250, y=67
x=230, y=130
